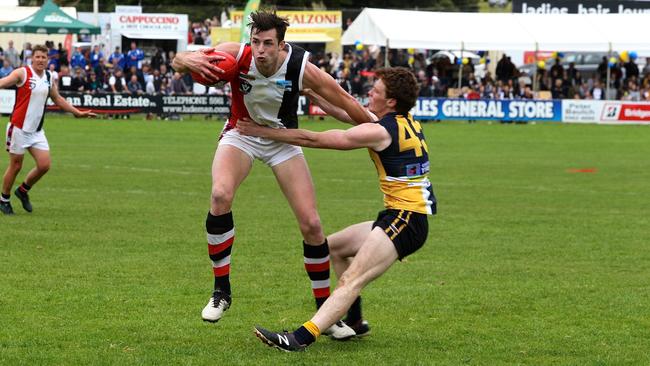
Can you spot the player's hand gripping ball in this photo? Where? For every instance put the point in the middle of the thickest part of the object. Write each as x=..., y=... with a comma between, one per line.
x=228, y=65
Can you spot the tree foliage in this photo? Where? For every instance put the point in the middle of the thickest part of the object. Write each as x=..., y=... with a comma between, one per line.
x=201, y=9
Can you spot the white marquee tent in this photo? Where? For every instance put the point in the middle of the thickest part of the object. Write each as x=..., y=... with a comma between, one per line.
x=499, y=31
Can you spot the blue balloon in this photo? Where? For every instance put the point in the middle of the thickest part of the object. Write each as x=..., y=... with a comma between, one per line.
x=560, y=54
x=611, y=64
x=633, y=55
x=459, y=60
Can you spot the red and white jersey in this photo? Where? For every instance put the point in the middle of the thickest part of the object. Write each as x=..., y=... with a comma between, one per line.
x=272, y=100
x=31, y=96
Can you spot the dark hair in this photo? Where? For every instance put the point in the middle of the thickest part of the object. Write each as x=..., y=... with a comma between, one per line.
x=39, y=47
x=401, y=85
x=262, y=21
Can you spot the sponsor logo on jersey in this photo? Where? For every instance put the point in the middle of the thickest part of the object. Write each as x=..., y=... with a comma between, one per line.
x=32, y=83
x=286, y=84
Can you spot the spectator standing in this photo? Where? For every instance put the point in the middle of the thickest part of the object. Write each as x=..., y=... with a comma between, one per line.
x=78, y=59
x=134, y=57
x=53, y=56
x=95, y=56
x=12, y=55
x=63, y=56
x=117, y=59
x=54, y=74
x=26, y=54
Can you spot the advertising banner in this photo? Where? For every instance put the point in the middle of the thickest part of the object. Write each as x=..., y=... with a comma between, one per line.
x=580, y=7
x=487, y=109
x=605, y=112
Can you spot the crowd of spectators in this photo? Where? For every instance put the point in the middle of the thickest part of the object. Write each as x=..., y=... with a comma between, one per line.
x=92, y=71
x=438, y=77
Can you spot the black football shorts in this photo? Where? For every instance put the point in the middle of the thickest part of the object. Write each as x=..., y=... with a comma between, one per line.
x=407, y=230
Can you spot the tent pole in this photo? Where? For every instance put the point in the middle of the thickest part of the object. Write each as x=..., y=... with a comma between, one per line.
x=460, y=66
x=535, y=83
x=386, y=64
x=609, y=72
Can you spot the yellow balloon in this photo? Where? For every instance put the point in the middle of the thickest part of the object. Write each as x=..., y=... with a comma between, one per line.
x=411, y=51
x=541, y=64
x=625, y=56
x=465, y=60
x=482, y=61
x=612, y=60
x=554, y=54
x=359, y=46
x=411, y=60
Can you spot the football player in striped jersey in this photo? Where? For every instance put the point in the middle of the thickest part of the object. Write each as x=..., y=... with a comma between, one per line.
x=25, y=129
x=362, y=252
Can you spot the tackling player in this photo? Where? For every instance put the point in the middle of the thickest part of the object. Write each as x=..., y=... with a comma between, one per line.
x=271, y=75
x=397, y=147
x=25, y=129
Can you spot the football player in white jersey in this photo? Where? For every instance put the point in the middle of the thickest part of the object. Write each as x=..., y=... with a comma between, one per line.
x=271, y=75
x=25, y=130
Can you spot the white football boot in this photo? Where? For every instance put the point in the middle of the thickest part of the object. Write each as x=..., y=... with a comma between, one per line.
x=340, y=331
x=218, y=304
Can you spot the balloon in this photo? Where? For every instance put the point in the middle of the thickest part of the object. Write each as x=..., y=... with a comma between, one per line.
x=541, y=64
x=487, y=60
x=625, y=57
x=554, y=54
x=611, y=64
x=359, y=46
x=458, y=61
x=411, y=51
x=411, y=60
x=560, y=54
x=612, y=60
x=465, y=60
x=633, y=55
x=483, y=61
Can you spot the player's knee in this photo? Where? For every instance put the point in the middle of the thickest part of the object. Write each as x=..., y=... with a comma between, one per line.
x=16, y=165
x=222, y=197
x=336, y=249
x=349, y=281
x=311, y=228
x=44, y=166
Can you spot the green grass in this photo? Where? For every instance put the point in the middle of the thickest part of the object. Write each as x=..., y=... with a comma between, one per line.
x=526, y=263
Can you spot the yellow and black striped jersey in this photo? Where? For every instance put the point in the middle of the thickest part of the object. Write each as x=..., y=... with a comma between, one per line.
x=403, y=167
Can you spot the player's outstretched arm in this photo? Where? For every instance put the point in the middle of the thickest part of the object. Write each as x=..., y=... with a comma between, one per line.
x=61, y=102
x=14, y=78
x=333, y=110
x=324, y=85
x=369, y=135
x=200, y=62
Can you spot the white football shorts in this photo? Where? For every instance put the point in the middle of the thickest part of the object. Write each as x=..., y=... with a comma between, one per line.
x=18, y=140
x=268, y=151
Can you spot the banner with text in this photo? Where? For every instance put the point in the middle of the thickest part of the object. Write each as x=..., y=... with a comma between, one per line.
x=605, y=112
x=487, y=109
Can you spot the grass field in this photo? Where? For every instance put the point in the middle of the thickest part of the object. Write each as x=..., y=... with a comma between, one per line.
x=527, y=262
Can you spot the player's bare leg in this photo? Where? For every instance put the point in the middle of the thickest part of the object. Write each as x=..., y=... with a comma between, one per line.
x=43, y=162
x=295, y=181
x=229, y=169
x=15, y=164
x=344, y=245
x=374, y=258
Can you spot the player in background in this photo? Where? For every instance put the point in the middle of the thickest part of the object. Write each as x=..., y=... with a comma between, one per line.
x=25, y=129
x=271, y=75
x=397, y=147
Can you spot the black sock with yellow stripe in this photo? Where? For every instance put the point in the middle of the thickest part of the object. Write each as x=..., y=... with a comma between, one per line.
x=307, y=333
